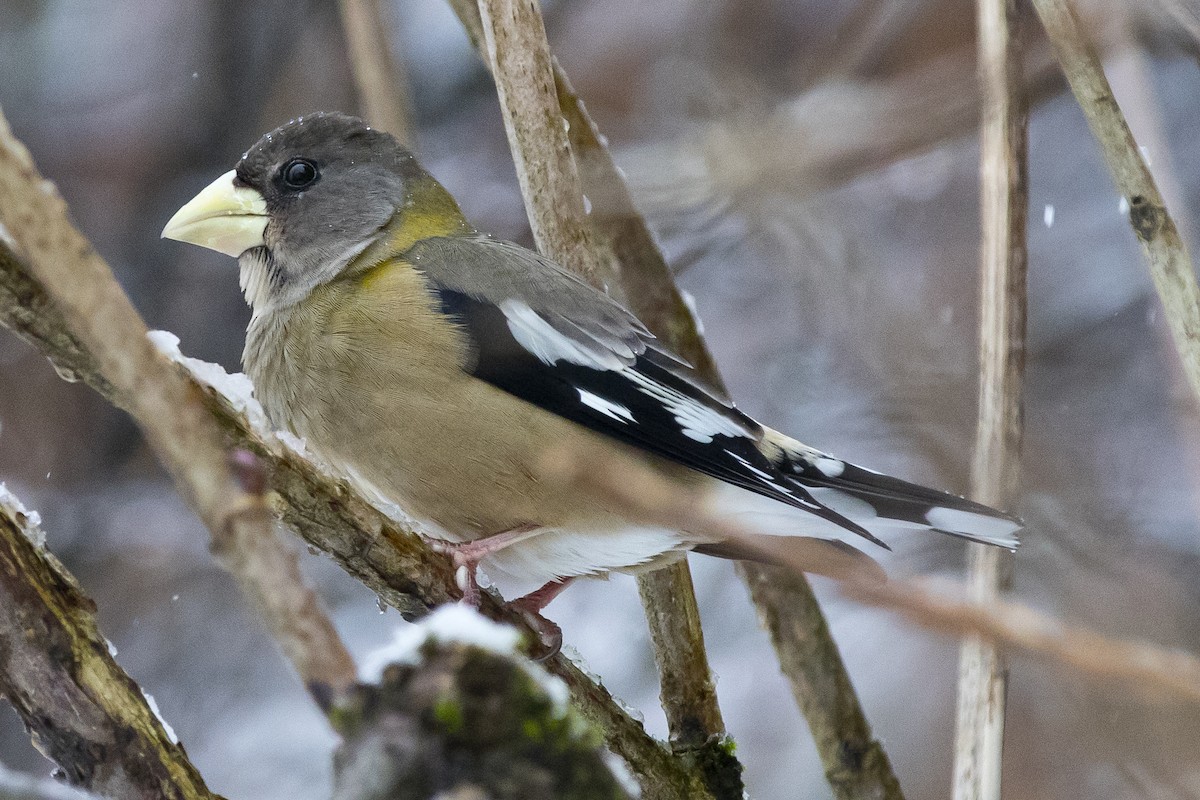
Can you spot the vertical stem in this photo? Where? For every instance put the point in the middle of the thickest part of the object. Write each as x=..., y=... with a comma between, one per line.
x=983, y=676
x=378, y=76
x=1166, y=256
x=519, y=55
x=855, y=763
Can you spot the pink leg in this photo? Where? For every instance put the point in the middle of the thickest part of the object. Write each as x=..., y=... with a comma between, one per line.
x=467, y=555
x=538, y=599
x=530, y=607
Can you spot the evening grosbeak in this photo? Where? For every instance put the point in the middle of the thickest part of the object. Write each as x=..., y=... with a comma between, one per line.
x=436, y=366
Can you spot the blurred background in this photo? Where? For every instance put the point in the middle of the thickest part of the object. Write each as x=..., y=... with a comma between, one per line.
x=810, y=167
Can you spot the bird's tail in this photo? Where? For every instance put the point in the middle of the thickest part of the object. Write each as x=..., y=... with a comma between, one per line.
x=865, y=496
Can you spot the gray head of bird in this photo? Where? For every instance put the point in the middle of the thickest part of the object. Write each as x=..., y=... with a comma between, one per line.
x=307, y=200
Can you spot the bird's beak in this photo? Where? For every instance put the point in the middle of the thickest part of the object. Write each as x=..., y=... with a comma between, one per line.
x=223, y=217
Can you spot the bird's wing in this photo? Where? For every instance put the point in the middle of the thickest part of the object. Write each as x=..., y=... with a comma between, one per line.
x=545, y=336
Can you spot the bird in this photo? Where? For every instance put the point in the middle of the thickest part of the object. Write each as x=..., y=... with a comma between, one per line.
x=435, y=365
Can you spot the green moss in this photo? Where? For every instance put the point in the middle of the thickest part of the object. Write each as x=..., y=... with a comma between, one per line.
x=448, y=712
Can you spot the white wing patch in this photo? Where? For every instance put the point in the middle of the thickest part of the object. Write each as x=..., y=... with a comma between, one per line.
x=606, y=407
x=550, y=346
x=696, y=421
x=829, y=467
x=751, y=468
x=981, y=528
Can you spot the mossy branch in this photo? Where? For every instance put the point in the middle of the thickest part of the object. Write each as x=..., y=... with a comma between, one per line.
x=462, y=720
x=56, y=669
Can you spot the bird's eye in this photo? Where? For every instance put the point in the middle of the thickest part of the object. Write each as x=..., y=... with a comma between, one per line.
x=299, y=173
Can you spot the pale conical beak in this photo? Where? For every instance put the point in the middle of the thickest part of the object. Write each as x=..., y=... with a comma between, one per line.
x=223, y=217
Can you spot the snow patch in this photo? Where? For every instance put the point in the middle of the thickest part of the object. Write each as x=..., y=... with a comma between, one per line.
x=236, y=387
x=150, y=701
x=30, y=521
x=454, y=623
x=448, y=624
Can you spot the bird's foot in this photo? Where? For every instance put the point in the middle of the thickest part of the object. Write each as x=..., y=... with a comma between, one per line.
x=465, y=556
x=530, y=606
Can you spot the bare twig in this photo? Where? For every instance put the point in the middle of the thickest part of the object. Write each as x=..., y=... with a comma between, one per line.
x=379, y=76
x=1164, y=250
x=1159, y=674
x=84, y=712
x=983, y=674
x=169, y=411
x=268, y=570
x=519, y=58
x=391, y=561
x=530, y=97
x=855, y=763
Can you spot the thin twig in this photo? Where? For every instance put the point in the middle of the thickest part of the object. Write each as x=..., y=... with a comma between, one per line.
x=390, y=560
x=379, y=77
x=84, y=712
x=1160, y=673
x=1166, y=255
x=519, y=58
x=268, y=571
x=524, y=72
x=855, y=763
x=169, y=410
x=983, y=673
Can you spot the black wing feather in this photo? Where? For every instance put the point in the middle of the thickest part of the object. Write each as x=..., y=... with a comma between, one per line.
x=502, y=361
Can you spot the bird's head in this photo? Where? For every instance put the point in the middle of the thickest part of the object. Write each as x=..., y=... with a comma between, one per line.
x=310, y=197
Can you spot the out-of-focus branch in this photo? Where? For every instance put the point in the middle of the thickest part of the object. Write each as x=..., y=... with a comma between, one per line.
x=14, y=786
x=1166, y=255
x=983, y=674
x=1160, y=673
x=457, y=719
x=268, y=571
x=531, y=89
x=379, y=77
x=83, y=711
x=391, y=561
x=169, y=410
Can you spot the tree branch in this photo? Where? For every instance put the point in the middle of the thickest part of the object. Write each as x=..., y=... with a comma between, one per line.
x=652, y=294
x=379, y=77
x=170, y=412
x=57, y=671
x=856, y=765
x=1163, y=674
x=983, y=674
x=519, y=58
x=530, y=99
x=1165, y=252
x=268, y=571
